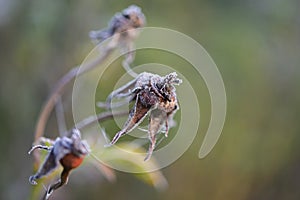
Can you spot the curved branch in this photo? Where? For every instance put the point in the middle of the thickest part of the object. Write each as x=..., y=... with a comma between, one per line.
x=60, y=88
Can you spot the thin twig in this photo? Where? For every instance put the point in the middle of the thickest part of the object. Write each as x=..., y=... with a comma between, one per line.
x=126, y=64
x=99, y=118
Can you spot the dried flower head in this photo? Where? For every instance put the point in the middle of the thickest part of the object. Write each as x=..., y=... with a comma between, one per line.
x=129, y=19
x=67, y=151
x=153, y=94
x=123, y=30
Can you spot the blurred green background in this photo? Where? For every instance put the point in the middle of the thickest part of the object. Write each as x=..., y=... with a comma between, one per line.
x=256, y=46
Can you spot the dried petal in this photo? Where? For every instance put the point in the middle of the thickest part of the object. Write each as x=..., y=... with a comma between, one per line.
x=136, y=116
x=157, y=119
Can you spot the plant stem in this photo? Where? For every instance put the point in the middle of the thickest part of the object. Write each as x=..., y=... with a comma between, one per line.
x=60, y=88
